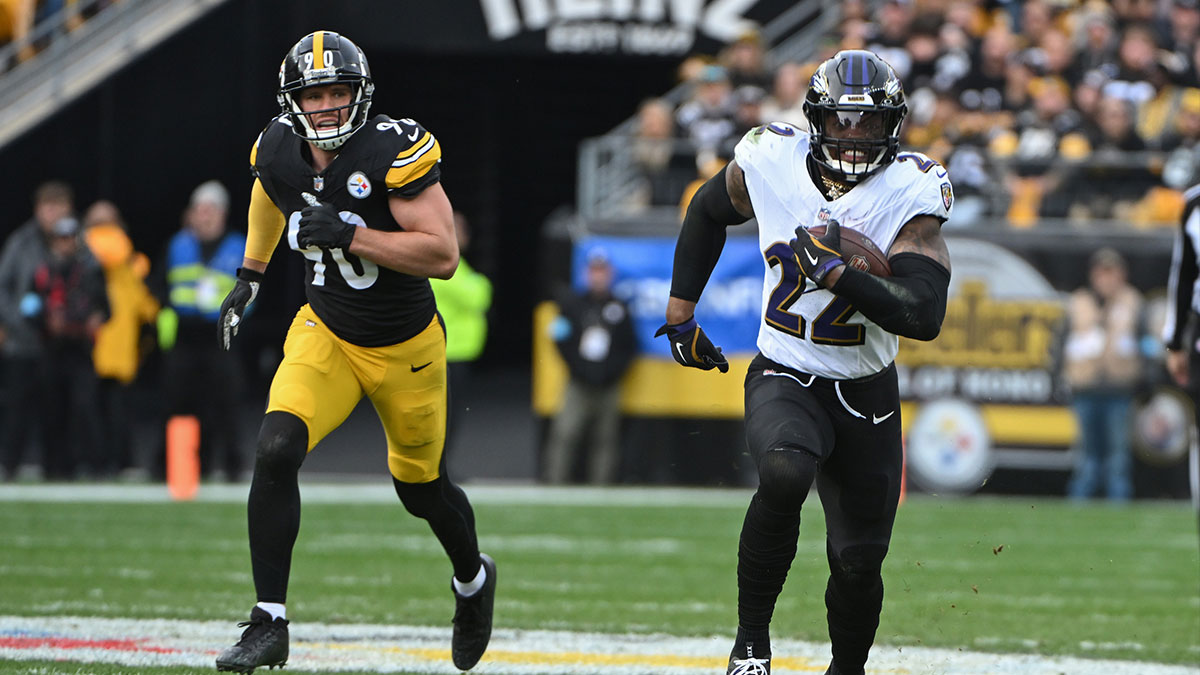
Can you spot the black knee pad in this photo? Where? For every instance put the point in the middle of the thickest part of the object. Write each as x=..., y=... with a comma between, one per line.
x=855, y=563
x=785, y=476
x=282, y=443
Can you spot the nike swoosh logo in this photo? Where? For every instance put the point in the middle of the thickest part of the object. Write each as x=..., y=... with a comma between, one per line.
x=679, y=348
x=416, y=368
x=877, y=419
x=811, y=259
x=941, y=174
x=789, y=375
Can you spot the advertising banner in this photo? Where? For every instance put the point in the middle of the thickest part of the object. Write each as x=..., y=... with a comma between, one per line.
x=730, y=309
x=631, y=28
x=987, y=392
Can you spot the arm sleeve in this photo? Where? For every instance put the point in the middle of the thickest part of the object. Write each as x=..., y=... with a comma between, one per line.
x=702, y=238
x=264, y=225
x=911, y=303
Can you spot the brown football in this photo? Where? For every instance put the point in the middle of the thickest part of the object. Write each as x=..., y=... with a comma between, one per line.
x=859, y=252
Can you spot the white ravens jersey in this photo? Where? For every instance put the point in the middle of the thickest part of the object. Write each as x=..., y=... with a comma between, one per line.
x=804, y=326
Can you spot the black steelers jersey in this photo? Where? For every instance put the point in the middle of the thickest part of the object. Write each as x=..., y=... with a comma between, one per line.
x=363, y=303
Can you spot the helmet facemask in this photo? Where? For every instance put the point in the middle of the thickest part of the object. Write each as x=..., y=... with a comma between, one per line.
x=342, y=63
x=853, y=140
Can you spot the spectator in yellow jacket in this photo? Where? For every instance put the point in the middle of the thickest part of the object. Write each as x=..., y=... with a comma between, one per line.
x=463, y=301
x=118, y=351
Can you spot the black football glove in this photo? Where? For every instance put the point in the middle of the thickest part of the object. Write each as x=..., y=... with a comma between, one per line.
x=691, y=347
x=322, y=226
x=818, y=255
x=235, y=304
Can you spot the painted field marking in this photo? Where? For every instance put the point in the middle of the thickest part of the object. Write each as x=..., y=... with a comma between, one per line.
x=417, y=649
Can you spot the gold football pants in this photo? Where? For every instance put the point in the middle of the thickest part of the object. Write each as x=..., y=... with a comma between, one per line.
x=323, y=377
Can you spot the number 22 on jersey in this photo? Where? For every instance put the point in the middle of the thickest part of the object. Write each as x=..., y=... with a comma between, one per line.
x=370, y=271
x=830, y=327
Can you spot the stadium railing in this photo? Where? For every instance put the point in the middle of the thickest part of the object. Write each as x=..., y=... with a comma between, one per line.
x=613, y=187
x=73, y=61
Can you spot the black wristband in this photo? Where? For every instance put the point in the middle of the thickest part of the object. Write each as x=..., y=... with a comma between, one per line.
x=249, y=275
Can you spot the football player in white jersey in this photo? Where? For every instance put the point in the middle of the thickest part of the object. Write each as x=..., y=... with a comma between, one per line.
x=822, y=403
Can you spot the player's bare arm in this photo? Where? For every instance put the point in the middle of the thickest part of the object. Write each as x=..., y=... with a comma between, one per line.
x=922, y=235
x=425, y=246
x=1177, y=366
x=256, y=265
x=679, y=310
x=735, y=184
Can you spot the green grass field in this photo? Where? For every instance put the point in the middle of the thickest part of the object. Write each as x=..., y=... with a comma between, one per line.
x=988, y=574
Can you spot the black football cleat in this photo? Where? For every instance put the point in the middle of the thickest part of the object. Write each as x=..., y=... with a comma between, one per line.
x=745, y=661
x=473, y=620
x=263, y=643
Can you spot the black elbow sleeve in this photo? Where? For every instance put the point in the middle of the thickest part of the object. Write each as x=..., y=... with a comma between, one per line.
x=911, y=303
x=702, y=237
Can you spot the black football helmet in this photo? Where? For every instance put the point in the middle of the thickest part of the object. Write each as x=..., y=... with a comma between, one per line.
x=857, y=94
x=321, y=58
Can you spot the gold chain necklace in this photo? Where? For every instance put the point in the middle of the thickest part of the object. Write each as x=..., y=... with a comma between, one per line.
x=834, y=188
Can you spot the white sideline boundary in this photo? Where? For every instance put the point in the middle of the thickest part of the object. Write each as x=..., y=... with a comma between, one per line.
x=381, y=491
x=377, y=489
x=412, y=649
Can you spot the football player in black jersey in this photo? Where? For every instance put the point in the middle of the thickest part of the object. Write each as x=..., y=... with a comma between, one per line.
x=359, y=198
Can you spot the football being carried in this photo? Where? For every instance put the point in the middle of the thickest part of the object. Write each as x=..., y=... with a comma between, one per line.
x=858, y=251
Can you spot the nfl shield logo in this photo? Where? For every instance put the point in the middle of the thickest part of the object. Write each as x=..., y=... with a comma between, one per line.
x=318, y=183
x=947, y=195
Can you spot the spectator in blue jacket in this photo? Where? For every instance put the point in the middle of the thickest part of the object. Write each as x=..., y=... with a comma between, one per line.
x=203, y=380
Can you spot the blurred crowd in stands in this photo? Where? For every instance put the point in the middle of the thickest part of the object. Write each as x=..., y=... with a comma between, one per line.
x=28, y=26
x=1045, y=111
x=81, y=310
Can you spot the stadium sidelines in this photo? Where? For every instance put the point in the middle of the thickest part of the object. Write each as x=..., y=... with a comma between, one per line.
x=411, y=649
x=380, y=491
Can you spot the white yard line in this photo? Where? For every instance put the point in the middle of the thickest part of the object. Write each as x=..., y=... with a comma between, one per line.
x=379, y=648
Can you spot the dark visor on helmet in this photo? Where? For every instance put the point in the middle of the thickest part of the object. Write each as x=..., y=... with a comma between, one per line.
x=867, y=122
